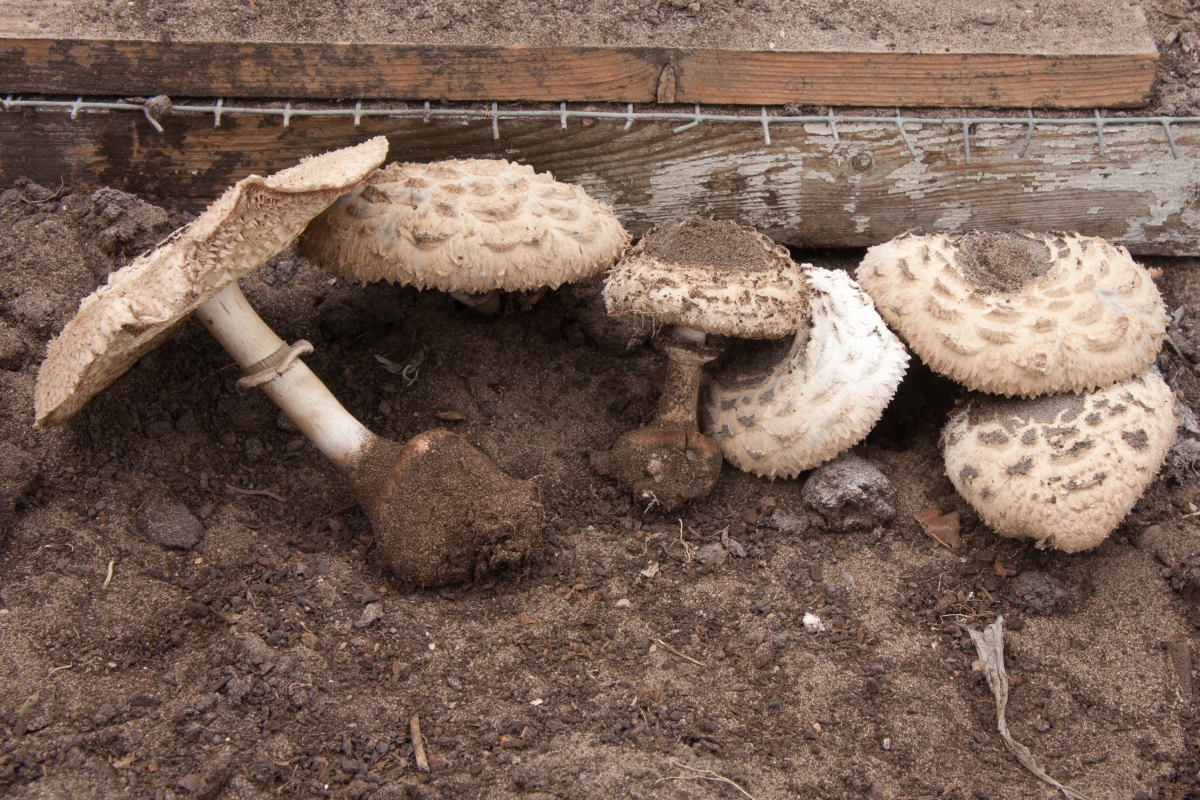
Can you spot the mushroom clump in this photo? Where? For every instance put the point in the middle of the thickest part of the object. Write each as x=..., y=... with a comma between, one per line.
x=1065, y=327
x=440, y=509
x=471, y=227
x=697, y=278
x=1018, y=313
x=1062, y=469
x=779, y=417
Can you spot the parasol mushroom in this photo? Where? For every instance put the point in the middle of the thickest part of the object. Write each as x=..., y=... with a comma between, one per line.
x=472, y=227
x=698, y=277
x=1018, y=313
x=1061, y=469
x=440, y=509
x=780, y=416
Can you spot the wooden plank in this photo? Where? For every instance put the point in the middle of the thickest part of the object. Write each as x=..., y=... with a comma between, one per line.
x=802, y=189
x=588, y=74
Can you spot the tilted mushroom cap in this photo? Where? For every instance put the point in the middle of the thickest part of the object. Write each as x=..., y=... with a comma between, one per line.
x=822, y=397
x=1062, y=469
x=1018, y=313
x=469, y=226
x=716, y=277
x=128, y=316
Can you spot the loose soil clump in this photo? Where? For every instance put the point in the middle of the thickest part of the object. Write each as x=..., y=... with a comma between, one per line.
x=191, y=603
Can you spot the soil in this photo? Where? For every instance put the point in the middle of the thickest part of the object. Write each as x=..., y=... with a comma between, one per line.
x=191, y=604
x=723, y=246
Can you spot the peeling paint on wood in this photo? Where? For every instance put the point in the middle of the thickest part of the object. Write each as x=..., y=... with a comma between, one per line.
x=802, y=189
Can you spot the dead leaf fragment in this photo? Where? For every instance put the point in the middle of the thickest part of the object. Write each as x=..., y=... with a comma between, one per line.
x=450, y=416
x=942, y=528
x=124, y=762
x=1001, y=571
x=526, y=619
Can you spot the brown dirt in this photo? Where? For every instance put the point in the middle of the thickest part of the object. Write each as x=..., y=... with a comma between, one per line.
x=718, y=244
x=275, y=658
x=1002, y=262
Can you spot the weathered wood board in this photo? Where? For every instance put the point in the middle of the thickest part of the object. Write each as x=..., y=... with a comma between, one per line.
x=802, y=189
x=574, y=73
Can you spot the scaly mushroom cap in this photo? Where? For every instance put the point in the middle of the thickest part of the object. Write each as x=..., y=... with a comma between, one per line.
x=128, y=316
x=1018, y=313
x=1063, y=469
x=469, y=226
x=716, y=277
x=791, y=414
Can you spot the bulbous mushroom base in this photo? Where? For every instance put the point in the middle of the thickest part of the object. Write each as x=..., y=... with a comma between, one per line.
x=662, y=466
x=442, y=512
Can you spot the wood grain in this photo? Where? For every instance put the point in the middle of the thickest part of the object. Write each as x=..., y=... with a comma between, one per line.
x=803, y=189
x=584, y=74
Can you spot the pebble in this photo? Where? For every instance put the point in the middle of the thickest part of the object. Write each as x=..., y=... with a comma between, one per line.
x=372, y=612
x=812, y=623
x=851, y=493
x=756, y=638
x=1149, y=537
x=103, y=715
x=762, y=607
x=454, y=683
x=989, y=18
x=171, y=525
x=736, y=548
x=623, y=603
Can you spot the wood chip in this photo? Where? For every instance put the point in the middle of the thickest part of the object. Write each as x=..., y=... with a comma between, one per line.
x=124, y=762
x=942, y=528
x=450, y=416
x=418, y=743
x=998, y=566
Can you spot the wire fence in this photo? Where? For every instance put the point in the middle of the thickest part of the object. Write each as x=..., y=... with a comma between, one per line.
x=692, y=120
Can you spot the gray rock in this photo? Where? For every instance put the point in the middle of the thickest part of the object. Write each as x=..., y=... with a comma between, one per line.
x=103, y=715
x=1040, y=593
x=372, y=612
x=736, y=548
x=170, y=524
x=851, y=493
x=712, y=555
x=1149, y=537
x=1180, y=458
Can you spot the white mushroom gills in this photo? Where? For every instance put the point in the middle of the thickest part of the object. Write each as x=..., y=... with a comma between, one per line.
x=301, y=394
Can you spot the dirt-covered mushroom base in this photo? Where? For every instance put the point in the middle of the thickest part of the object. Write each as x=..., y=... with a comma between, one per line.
x=190, y=605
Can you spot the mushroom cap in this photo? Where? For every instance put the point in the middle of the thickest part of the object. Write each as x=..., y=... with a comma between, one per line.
x=717, y=277
x=129, y=315
x=1063, y=469
x=471, y=225
x=1018, y=313
x=822, y=397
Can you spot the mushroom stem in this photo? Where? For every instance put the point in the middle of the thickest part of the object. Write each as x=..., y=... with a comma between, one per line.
x=327, y=424
x=681, y=392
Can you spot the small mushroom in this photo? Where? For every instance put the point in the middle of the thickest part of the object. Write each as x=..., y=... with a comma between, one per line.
x=441, y=510
x=1018, y=313
x=1061, y=469
x=780, y=416
x=698, y=277
x=473, y=228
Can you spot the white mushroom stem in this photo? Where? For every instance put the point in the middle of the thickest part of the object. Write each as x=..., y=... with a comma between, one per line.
x=328, y=425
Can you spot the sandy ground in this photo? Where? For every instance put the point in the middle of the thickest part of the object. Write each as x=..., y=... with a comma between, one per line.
x=248, y=645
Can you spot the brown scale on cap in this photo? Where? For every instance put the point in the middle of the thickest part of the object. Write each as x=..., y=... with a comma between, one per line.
x=1000, y=262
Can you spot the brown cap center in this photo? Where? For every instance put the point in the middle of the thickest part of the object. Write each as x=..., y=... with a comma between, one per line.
x=709, y=243
x=1002, y=262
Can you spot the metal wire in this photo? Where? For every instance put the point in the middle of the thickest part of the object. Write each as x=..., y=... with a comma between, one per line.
x=693, y=120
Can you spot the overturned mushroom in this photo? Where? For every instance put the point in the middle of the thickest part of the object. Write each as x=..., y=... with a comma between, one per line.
x=778, y=416
x=441, y=510
x=1018, y=313
x=699, y=277
x=472, y=227
x=1061, y=469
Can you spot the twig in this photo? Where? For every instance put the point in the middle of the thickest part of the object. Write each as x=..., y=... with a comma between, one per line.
x=702, y=775
x=56, y=669
x=108, y=577
x=261, y=492
x=670, y=649
x=989, y=644
x=418, y=742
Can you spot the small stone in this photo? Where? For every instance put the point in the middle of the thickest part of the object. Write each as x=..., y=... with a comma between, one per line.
x=1149, y=537
x=372, y=612
x=851, y=493
x=454, y=683
x=1041, y=725
x=1040, y=593
x=309, y=639
x=989, y=18
x=762, y=607
x=170, y=524
x=756, y=638
x=622, y=603
x=103, y=715
x=736, y=548
x=712, y=555
x=158, y=429
x=812, y=623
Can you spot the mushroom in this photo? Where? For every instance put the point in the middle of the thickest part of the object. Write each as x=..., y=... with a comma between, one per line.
x=1018, y=313
x=698, y=277
x=472, y=228
x=780, y=416
x=440, y=509
x=1061, y=469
